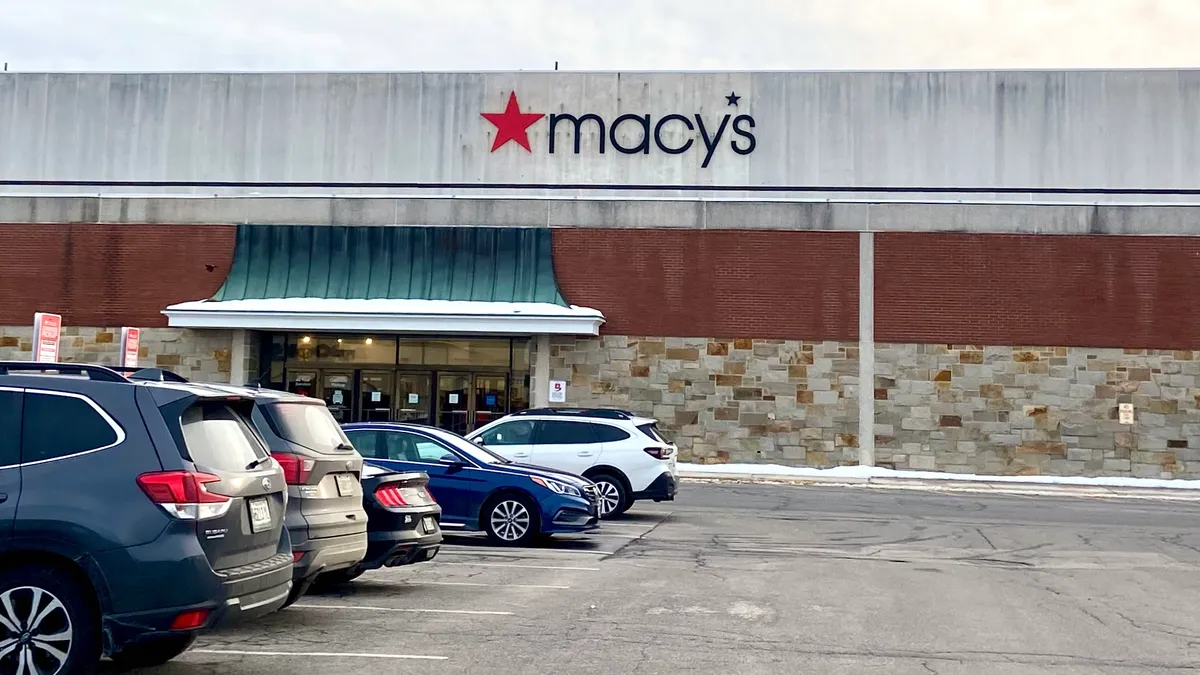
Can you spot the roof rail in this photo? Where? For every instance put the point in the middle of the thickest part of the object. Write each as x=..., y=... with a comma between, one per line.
x=157, y=375
x=602, y=413
x=98, y=373
x=147, y=374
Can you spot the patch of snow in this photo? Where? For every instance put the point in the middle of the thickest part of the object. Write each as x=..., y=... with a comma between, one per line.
x=384, y=306
x=867, y=472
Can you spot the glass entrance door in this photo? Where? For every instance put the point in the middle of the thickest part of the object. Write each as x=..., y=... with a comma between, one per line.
x=491, y=398
x=337, y=388
x=375, y=396
x=412, y=398
x=453, y=402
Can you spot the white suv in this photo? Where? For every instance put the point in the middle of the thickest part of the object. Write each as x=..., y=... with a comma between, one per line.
x=624, y=455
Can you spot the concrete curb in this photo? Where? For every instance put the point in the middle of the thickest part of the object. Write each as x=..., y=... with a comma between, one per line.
x=947, y=485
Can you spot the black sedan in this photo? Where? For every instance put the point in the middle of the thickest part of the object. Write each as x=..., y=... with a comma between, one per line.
x=403, y=522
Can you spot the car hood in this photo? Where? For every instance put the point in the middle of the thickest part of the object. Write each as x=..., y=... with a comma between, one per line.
x=544, y=472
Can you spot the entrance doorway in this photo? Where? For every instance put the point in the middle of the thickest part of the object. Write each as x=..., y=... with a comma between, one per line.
x=463, y=401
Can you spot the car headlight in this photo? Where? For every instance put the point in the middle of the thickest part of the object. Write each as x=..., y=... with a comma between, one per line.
x=557, y=486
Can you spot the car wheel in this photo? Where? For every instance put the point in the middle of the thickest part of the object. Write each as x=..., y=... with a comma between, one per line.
x=511, y=520
x=153, y=652
x=47, y=623
x=612, y=497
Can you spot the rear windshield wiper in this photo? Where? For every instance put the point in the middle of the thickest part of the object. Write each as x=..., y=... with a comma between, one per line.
x=258, y=462
x=344, y=446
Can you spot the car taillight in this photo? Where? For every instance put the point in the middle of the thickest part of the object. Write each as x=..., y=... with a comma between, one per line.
x=296, y=469
x=190, y=619
x=183, y=494
x=658, y=453
x=390, y=496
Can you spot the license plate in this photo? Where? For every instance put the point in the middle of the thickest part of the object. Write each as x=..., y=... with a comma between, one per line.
x=260, y=515
x=428, y=524
x=345, y=484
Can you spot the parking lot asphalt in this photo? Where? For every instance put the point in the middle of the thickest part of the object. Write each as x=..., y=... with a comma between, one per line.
x=753, y=579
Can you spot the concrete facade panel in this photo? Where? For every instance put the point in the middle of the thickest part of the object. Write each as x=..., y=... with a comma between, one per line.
x=1040, y=129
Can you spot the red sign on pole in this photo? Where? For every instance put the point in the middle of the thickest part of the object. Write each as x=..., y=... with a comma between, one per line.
x=131, y=339
x=47, y=328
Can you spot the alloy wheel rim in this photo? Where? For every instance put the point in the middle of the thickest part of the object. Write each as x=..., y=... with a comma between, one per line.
x=35, y=632
x=510, y=520
x=609, y=497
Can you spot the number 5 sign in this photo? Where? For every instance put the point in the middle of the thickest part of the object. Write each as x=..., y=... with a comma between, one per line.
x=558, y=391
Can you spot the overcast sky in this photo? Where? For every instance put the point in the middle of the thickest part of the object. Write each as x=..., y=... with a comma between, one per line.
x=595, y=34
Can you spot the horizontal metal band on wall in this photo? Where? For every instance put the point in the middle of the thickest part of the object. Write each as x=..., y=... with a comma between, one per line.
x=617, y=212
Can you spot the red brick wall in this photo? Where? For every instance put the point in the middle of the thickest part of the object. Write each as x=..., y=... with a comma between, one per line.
x=1091, y=291
x=751, y=283
x=108, y=275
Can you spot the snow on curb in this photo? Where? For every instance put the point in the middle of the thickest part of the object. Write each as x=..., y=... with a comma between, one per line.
x=864, y=474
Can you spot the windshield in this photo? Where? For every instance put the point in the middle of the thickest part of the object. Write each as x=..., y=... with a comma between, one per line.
x=308, y=425
x=481, y=455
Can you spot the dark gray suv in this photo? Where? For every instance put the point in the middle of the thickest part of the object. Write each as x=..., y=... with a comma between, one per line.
x=133, y=514
x=325, y=514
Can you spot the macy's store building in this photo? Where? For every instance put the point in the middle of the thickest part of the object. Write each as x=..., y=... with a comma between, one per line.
x=951, y=271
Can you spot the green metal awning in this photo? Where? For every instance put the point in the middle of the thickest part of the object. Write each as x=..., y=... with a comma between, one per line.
x=395, y=279
x=481, y=264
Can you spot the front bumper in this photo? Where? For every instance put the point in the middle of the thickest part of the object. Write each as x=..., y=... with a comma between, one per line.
x=662, y=489
x=570, y=515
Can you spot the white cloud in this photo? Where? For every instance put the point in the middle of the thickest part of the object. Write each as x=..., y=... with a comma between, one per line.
x=608, y=34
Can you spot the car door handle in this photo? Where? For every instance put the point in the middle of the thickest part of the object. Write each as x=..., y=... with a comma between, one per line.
x=585, y=453
x=3, y=497
x=520, y=454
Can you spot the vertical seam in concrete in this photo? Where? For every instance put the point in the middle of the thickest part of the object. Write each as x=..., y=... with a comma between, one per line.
x=541, y=371
x=866, y=348
x=237, y=358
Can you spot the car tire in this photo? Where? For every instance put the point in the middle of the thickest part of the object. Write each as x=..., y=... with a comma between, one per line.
x=153, y=652
x=612, y=494
x=66, y=610
x=512, y=520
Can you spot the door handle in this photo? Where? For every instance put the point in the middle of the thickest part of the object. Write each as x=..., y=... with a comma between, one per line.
x=520, y=454
x=3, y=497
x=585, y=453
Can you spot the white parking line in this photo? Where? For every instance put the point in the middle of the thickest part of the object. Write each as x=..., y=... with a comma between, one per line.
x=468, y=583
x=241, y=652
x=371, y=608
x=530, y=567
x=451, y=549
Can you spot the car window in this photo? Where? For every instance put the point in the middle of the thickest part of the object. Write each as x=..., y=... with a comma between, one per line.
x=563, y=433
x=54, y=425
x=420, y=449
x=306, y=424
x=608, y=434
x=367, y=442
x=218, y=438
x=10, y=428
x=519, y=432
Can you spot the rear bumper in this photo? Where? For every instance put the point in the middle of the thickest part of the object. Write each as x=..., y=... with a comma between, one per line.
x=398, y=535
x=236, y=595
x=662, y=489
x=327, y=554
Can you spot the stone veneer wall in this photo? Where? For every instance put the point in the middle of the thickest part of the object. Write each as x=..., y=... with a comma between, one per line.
x=778, y=401
x=987, y=410
x=194, y=354
x=1037, y=410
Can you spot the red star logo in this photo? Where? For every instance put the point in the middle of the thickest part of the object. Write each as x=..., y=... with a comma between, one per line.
x=512, y=124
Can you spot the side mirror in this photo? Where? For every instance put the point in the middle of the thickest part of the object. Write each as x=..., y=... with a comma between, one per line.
x=478, y=440
x=450, y=459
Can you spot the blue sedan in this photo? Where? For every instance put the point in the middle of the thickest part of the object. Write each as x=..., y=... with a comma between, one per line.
x=477, y=489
